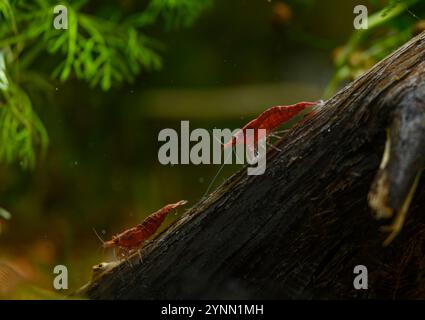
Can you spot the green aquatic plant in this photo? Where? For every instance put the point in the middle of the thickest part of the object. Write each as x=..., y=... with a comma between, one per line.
x=103, y=46
x=388, y=28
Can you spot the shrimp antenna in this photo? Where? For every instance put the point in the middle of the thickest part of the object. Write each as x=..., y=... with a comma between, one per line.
x=95, y=232
x=219, y=170
x=213, y=180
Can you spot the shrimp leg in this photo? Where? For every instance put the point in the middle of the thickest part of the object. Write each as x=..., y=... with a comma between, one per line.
x=274, y=147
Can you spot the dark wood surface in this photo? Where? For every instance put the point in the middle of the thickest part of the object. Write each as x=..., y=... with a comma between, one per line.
x=298, y=230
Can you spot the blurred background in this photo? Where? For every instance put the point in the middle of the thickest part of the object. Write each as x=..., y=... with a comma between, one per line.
x=87, y=156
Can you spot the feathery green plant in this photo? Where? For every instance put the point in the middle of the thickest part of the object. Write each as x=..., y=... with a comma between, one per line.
x=103, y=51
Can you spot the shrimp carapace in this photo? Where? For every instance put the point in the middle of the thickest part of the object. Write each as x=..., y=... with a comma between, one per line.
x=135, y=236
x=269, y=120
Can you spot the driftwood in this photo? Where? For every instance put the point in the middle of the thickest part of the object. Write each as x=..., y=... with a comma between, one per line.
x=299, y=230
